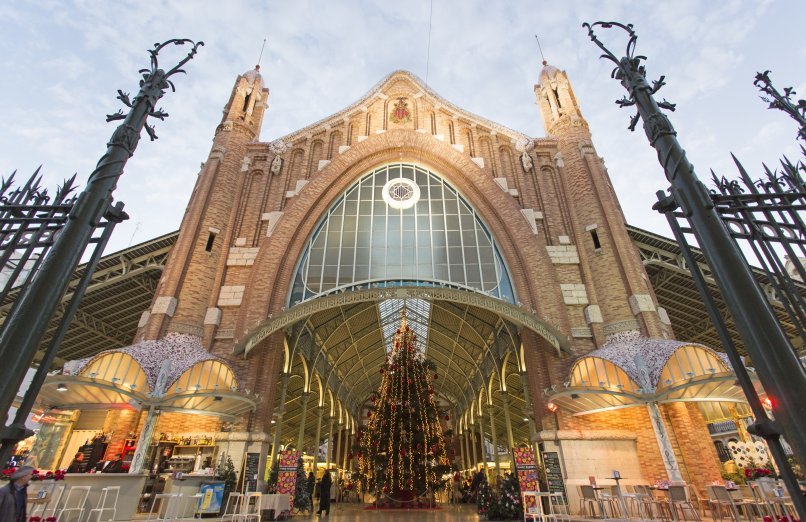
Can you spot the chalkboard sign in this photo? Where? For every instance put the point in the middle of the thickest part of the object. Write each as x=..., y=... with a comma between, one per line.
x=250, y=471
x=554, y=474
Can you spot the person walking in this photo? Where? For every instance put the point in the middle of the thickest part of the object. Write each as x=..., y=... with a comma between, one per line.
x=14, y=496
x=324, y=496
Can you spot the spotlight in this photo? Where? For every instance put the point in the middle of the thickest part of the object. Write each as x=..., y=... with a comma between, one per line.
x=61, y=387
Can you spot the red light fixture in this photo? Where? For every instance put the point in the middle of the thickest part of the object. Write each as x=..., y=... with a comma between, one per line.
x=768, y=403
x=552, y=407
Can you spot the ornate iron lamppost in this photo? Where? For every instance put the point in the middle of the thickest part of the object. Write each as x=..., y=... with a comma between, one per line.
x=778, y=368
x=26, y=325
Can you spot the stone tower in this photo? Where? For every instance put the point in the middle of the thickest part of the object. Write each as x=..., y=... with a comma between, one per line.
x=619, y=293
x=189, y=290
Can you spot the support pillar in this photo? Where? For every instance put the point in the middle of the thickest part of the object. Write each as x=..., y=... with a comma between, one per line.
x=665, y=446
x=278, y=423
x=510, y=437
x=320, y=410
x=303, y=415
x=338, y=445
x=483, y=449
x=473, y=445
x=494, y=440
x=330, y=443
x=347, y=436
x=144, y=441
x=462, y=450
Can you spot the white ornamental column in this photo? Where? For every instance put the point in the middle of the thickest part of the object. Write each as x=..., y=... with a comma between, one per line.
x=664, y=444
x=147, y=433
x=655, y=417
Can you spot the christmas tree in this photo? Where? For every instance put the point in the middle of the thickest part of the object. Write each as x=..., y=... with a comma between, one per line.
x=302, y=498
x=402, y=448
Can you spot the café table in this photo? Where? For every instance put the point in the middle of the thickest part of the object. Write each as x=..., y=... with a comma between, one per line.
x=277, y=503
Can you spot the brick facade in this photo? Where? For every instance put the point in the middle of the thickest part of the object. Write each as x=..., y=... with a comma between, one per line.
x=548, y=202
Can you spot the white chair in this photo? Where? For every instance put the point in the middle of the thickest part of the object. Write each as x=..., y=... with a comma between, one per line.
x=76, y=499
x=107, y=502
x=250, y=508
x=233, y=506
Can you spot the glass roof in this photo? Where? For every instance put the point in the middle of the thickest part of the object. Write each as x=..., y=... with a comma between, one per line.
x=401, y=225
x=418, y=312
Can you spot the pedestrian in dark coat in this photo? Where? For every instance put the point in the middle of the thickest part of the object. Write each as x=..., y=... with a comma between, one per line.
x=324, y=495
x=14, y=496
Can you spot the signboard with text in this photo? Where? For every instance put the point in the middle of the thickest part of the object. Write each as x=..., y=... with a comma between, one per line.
x=287, y=475
x=526, y=467
x=554, y=474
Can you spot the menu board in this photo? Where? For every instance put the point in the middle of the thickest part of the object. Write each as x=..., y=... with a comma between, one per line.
x=554, y=474
x=526, y=468
x=250, y=472
x=287, y=476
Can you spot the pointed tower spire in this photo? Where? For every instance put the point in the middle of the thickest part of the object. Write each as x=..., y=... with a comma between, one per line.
x=247, y=103
x=558, y=104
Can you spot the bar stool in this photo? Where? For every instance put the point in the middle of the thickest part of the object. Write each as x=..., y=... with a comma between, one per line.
x=250, y=508
x=76, y=498
x=106, y=493
x=232, y=507
x=186, y=502
x=55, y=499
x=171, y=504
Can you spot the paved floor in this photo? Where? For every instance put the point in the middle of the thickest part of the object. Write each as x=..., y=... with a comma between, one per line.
x=356, y=512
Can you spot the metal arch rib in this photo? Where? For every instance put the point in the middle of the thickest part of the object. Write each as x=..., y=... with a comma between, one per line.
x=301, y=311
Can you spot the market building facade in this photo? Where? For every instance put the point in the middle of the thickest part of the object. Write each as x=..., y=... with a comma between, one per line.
x=295, y=257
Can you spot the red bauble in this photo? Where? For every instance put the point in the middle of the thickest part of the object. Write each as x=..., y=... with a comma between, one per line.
x=447, y=418
x=369, y=414
x=436, y=376
x=381, y=370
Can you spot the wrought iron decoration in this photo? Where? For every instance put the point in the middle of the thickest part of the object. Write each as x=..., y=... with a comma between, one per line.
x=777, y=366
x=24, y=328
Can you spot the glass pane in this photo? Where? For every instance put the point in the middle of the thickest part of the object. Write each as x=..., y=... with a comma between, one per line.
x=362, y=237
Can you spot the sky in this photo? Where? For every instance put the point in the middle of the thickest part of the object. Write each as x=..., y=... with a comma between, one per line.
x=63, y=63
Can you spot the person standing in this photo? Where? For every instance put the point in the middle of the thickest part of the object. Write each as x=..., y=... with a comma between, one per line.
x=14, y=496
x=311, y=486
x=324, y=496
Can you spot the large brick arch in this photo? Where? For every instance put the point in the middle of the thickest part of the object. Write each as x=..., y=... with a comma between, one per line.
x=530, y=269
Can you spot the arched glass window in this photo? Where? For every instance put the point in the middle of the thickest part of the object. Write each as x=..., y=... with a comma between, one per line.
x=401, y=225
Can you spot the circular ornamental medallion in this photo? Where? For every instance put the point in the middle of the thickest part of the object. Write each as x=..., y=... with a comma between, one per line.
x=401, y=193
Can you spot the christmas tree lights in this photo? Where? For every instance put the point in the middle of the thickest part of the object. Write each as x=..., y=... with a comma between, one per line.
x=402, y=447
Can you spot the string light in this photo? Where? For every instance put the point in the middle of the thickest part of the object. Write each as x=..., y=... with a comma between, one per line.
x=406, y=423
